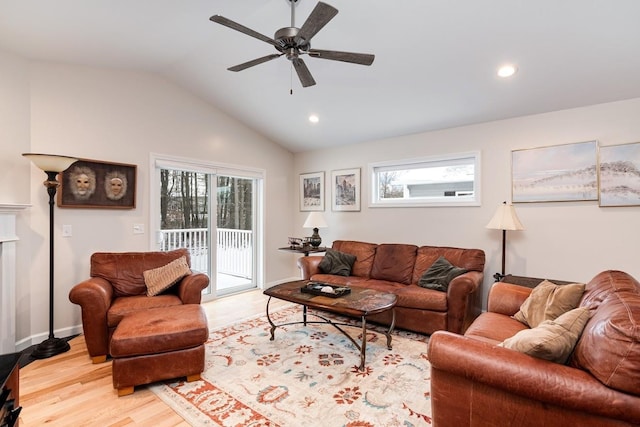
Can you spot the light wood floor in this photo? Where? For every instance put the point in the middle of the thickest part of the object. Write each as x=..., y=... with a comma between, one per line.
x=68, y=390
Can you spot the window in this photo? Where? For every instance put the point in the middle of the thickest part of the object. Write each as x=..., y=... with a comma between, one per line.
x=452, y=180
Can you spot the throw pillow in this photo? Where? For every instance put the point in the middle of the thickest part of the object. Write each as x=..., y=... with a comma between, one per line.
x=440, y=274
x=548, y=301
x=336, y=262
x=552, y=340
x=162, y=278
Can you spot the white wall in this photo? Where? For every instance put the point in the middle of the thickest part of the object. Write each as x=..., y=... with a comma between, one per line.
x=569, y=240
x=122, y=117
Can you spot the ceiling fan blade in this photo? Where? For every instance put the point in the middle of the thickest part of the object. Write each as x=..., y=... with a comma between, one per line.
x=238, y=27
x=303, y=72
x=334, y=55
x=253, y=62
x=320, y=16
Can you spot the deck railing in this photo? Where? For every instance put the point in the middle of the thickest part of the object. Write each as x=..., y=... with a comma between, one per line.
x=234, y=249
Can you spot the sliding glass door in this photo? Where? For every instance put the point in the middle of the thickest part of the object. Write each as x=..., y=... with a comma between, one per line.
x=224, y=245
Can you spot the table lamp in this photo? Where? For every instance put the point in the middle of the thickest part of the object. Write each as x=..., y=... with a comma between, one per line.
x=315, y=220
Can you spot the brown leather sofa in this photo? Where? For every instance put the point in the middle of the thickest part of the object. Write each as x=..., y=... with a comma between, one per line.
x=476, y=383
x=397, y=268
x=117, y=288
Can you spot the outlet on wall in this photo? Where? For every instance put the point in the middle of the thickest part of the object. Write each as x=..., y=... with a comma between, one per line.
x=138, y=228
x=67, y=230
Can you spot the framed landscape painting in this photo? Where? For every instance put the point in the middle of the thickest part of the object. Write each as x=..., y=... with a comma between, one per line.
x=557, y=173
x=620, y=175
x=312, y=191
x=345, y=190
x=96, y=184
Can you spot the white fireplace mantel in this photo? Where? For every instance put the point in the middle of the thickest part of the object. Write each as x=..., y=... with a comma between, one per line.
x=8, y=240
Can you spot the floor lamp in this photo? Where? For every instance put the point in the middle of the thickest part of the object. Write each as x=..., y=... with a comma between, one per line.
x=51, y=165
x=504, y=219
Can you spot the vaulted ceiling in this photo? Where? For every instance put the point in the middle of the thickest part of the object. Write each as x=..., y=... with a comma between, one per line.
x=435, y=60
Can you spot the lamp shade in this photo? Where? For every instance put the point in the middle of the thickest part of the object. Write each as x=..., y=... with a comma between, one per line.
x=315, y=220
x=505, y=218
x=50, y=162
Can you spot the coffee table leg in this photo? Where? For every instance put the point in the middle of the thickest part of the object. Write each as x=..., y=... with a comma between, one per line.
x=391, y=327
x=363, y=346
x=304, y=315
x=273, y=326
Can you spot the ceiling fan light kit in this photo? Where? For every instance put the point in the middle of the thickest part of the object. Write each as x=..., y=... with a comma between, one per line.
x=292, y=42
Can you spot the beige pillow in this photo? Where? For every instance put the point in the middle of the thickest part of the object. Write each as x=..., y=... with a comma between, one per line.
x=548, y=301
x=162, y=278
x=552, y=340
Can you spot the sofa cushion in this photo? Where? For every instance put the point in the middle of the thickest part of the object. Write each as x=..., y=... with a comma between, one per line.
x=162, y=278
x=124, y=270
x=413, y=296
x=493, y=327
x=336, y=262
x=438, y=276
x=548, y=301
x=394, y=262
x=552, y=340
x=610, y=345
x=364, y=252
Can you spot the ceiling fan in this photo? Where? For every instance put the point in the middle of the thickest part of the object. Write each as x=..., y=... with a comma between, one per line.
x=294, y=42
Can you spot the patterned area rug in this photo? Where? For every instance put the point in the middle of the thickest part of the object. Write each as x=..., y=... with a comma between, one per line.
x=307, y=376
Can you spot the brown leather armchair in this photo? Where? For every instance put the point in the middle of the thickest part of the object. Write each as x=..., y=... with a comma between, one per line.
x=117, y=288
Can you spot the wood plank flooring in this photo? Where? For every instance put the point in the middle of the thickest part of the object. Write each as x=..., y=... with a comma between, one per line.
x=68, y=390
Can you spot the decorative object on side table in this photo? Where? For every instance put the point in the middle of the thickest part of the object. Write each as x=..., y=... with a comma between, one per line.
x=504, y=219
x=52, y=165
x=315, y=220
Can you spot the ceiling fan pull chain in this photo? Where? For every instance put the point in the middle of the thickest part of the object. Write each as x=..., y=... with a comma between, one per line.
x=291, y=79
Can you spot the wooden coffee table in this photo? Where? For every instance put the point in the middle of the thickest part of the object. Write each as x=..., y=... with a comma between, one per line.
x=360, y=303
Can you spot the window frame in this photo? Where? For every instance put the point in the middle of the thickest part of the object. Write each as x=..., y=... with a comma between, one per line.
x=443, y=201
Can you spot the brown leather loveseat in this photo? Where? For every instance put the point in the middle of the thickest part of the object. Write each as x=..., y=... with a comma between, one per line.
x=398, y=268
x=117, y=288
x=474, y=382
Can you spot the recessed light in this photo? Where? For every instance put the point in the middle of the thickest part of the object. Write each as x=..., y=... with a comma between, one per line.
x=507, y=70
x=314, y=119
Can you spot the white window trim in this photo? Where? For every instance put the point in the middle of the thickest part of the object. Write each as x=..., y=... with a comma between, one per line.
x=374, y=202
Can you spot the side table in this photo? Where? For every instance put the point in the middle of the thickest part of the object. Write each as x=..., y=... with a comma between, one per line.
x=529, y=282
x=9, y=394
x=306, y=250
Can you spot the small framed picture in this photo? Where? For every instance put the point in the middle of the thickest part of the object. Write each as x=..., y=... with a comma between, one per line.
x=345, y=190
x=95, y=184
x=312, y=191
x=620, y=175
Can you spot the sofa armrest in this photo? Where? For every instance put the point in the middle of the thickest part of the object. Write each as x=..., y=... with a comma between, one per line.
x=477, y=362
x=94, y=297
x=308, y=266
x=461, y=300
x=506, y=298
x=189, y=288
